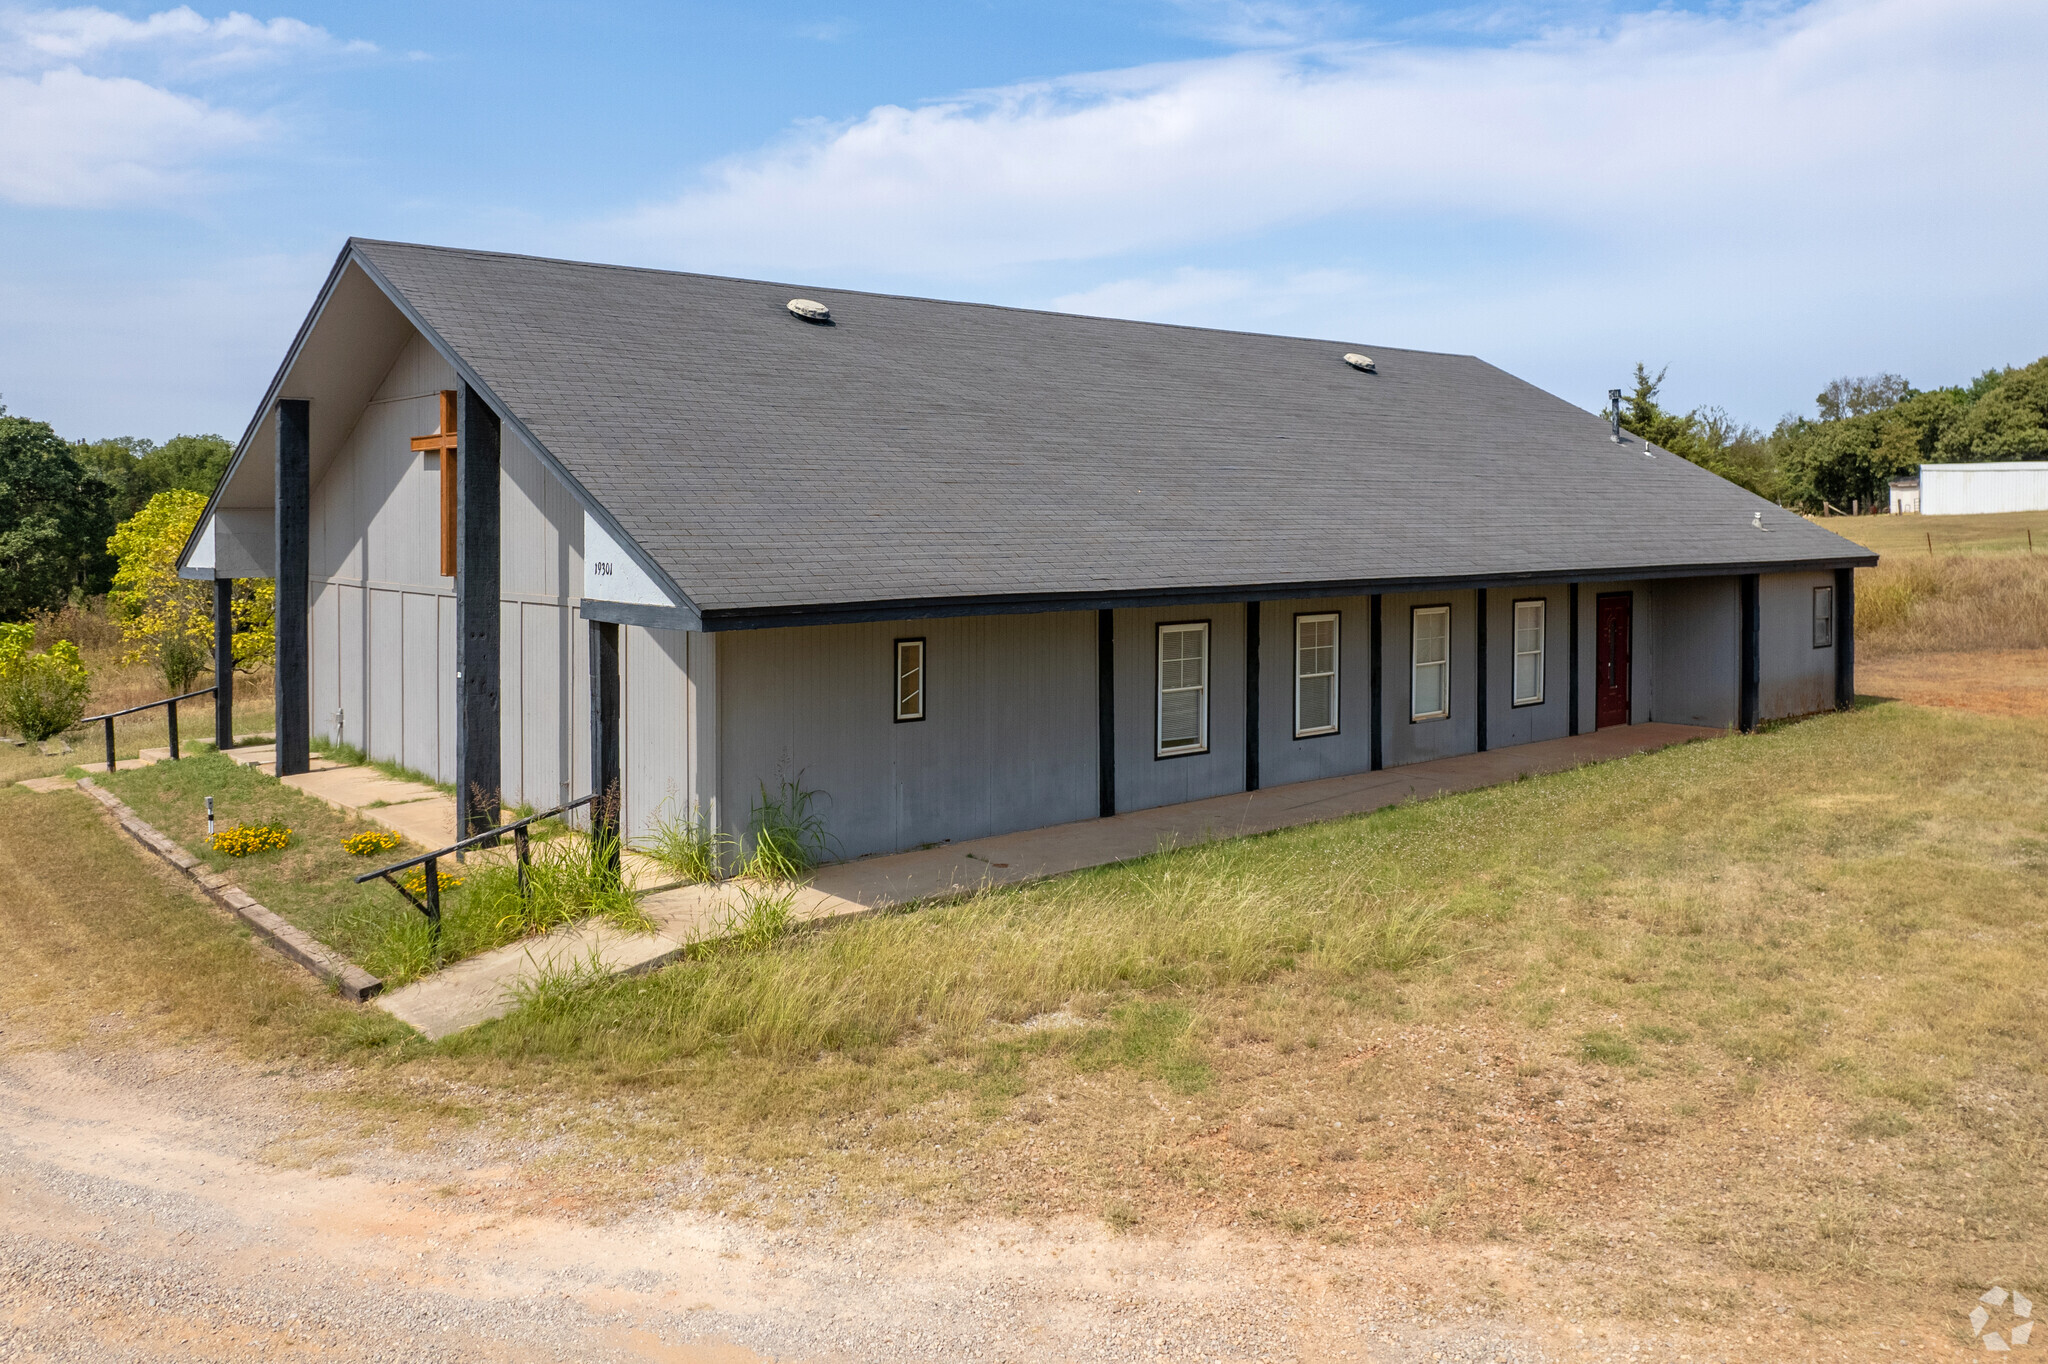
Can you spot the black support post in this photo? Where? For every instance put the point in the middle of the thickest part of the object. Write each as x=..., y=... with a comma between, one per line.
x=1752, y=664
x=1105, y=711
x=1251, y=696
x=478, y=788
x=223, y=663
x=605, y=781
x=1479, y=657
x=1375, y=744
x=294, y=548
x=1845, y=638
x=1572, y=612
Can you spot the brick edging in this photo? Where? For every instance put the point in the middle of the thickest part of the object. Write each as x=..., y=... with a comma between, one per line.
x=296, y=944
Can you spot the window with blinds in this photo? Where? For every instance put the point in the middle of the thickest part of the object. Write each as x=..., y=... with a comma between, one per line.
x=1315, y=675
x=909, y=679
x=1183, y=689
x=1529, y=652
x=1430, y=691
x=1823, y=617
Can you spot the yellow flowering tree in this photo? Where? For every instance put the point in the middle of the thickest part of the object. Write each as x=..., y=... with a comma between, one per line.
x=165, y=620
x=255, y=623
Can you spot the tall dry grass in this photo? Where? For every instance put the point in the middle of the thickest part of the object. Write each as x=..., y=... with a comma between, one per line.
x=1952, y=603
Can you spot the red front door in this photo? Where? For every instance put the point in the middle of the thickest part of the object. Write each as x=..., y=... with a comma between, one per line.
x=1610, y=662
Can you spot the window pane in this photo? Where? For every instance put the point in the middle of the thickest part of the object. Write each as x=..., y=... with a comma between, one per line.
x=1180, y=718
x=909, y=680
x=1823, y=617
x=1528, y=652
x=1429, y=689
x=1316, y=693
x=1528, y=677
x=1432, y=636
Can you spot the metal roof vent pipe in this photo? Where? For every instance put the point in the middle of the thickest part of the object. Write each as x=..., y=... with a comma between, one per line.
x=1613, y=412
x=1363, y=363
x=810, y=310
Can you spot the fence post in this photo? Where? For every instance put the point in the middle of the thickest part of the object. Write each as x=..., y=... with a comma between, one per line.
x=519, y=841
x=434, y=897
x=171, y=713
x=110, y=743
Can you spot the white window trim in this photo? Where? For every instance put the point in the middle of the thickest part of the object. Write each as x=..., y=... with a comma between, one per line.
x=904, y=716
x=1159, y=748
x=1542, y=606
x=1336, y=668
x=1415, y=668
x=1827, y=594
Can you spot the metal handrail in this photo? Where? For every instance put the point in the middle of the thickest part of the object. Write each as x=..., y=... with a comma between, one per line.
x=170, y=705
x=431, y=907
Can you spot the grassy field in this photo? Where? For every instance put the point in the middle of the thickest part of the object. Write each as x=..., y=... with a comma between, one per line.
x=1758, y=1019
x=1933, y=536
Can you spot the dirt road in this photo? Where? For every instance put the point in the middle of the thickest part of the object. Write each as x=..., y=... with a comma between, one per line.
x=146, y=1214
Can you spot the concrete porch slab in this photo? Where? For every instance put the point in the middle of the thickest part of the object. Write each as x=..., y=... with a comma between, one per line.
x=485, y=986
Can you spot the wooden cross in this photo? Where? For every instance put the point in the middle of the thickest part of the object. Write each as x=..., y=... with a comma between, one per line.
x=443, y=441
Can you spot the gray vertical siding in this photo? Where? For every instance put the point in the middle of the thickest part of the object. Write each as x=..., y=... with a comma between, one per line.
x=1414, y=741
x=1007, y=742
x=1797, y=679
x=1507, y=723
x=383, y=616
x=654, y=707
x=1697, y=643
x=1144, y=779
x=1282, y=757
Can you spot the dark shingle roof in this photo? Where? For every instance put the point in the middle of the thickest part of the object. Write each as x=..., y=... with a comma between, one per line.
x=919, y=449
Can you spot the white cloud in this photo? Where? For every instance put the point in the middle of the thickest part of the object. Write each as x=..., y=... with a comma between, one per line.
x=1838, y=127
x=76, y=140
x=74, y=35
x=92, y=113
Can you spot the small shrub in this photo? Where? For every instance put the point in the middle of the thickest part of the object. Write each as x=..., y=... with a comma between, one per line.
x=241, y=840
x=689, y=848
x=789, y=836
x=370, y=842
x=44, y=693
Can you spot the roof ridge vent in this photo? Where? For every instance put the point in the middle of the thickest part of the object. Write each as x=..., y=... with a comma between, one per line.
x=810, y=310
x=1353, y=359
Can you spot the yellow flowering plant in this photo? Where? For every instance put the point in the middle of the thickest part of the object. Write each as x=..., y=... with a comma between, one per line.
x=244, y=839
x=417, y=883
x=370, y=842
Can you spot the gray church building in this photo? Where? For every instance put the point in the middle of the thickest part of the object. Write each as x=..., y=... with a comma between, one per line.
x=541, y=527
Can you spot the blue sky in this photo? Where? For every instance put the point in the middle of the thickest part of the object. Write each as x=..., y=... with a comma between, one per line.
x=1761, y=196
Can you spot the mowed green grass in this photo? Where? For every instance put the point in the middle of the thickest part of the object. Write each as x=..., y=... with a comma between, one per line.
x=1768, y=1010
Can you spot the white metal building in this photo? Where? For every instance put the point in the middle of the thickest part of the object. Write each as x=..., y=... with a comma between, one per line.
x=1972, y=489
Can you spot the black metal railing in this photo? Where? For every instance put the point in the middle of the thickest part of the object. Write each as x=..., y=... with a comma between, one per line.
x=431, y=906
x=170, y=705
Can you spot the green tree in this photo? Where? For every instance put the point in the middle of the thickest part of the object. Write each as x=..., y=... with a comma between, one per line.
x=54, y=521
x=1707, y=436
x=138, y=469
x=2008, y=420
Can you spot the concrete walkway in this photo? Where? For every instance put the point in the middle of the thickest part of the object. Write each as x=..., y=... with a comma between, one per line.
x=483, y=987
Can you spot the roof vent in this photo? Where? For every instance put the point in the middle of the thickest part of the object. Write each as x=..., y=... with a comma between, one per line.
x=1355, y=360
x=810, y=310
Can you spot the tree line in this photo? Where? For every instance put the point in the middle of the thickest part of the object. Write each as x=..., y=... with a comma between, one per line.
x=1865, y=432
x=88, y=521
